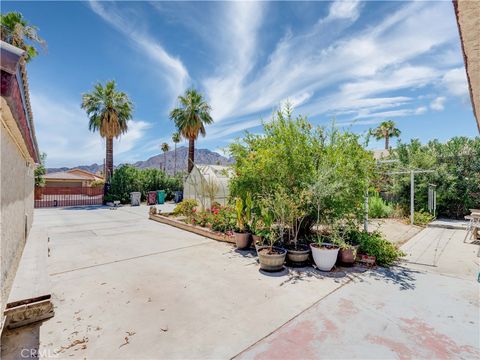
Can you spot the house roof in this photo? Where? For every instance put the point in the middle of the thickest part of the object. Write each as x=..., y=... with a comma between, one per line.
x=86, y=173
x=15, y=91
x=380, y=154
x=64, y=175
x=468, y=19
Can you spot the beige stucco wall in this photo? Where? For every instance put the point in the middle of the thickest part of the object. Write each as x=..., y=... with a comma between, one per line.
x=16, y=208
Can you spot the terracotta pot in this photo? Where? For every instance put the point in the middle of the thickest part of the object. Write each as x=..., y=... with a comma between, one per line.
x=272, y=262
x=324, y=258
x=347, y=256
x=299, y=256
x=256, y=239
x=243, y=240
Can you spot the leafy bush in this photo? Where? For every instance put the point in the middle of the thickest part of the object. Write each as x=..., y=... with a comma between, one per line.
x=374, y=244
x=378, y=208
x=297, y=157
x=186, y=208
x=127, y=179
x=456, y=173
x=422, y=217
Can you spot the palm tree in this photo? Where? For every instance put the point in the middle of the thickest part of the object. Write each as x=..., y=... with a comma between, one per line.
x=16, y=31
x=165, y=148
x=176, y=140
x=190, y=118
x=386, y=130
x=109, y=111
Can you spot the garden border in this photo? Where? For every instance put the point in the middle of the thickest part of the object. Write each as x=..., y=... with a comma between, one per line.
x=215, y=235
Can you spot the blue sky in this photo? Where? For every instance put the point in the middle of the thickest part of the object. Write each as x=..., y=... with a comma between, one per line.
x=360, y=62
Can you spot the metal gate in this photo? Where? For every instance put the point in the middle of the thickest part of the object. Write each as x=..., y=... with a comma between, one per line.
x=67, y=196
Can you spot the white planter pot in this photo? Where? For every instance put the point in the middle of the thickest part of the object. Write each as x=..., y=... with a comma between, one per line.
x=324, y=258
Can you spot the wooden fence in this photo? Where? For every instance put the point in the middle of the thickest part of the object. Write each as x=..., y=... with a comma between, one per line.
x=68, y=196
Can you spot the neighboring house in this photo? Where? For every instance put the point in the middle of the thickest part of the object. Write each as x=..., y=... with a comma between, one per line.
x=380, y=154
x=207, y=183
x=18, y=157
x=71, y=178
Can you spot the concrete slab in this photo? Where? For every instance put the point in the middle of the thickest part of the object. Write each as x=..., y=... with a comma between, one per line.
x=443, y=251
x=394, y=230
x=414, y=315
x=127, y=287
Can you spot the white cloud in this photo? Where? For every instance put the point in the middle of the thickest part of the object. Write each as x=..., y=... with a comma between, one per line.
x=438, y=104
x=62, y=132
x=455, y=81
x=349, y=72
x=240, y=23
x=421, y=110
x=344, y=9
x=173, y=69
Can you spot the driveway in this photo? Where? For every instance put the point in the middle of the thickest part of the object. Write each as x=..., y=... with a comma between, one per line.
x=127, y=287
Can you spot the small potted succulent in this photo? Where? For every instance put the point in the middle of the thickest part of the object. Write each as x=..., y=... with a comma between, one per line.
x=243, y=237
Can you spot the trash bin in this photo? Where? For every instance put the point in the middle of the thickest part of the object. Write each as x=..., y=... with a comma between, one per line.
x=178, y=196
x=161, y=196
x=135, y=198
x=152, y=198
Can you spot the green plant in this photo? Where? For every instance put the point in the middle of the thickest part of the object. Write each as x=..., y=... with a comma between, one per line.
x=108, y=111
x=422, y=217
x=127, y=179
x=455, y=170
x=190, y=117
x=16, y=31
x=40, y=171
x=374, y=244
x=378, y=208
x=386, y=130
x=295, y=156
x=186, y=208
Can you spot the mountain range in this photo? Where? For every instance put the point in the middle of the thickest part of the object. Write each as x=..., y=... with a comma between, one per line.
x=202, y=156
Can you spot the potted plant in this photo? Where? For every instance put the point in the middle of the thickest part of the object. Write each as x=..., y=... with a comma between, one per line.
x=324, y=254
x=347, y=254
x=243, y=238
x=297, y=254
x=272, y=258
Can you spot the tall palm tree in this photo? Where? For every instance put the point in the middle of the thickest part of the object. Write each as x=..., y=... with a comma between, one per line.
x=386, y=130
x=190, y=117
x=109, y=111
x=16, y=31
x=176, y=140
x=165, y=148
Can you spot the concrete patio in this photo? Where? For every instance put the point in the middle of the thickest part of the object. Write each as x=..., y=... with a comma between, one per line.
x=126, y=287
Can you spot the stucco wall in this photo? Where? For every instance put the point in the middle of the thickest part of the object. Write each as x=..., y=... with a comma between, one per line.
x=16, y=209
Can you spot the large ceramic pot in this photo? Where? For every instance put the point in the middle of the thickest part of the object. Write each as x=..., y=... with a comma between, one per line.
x=242, y=240
x=324, y=255
x=348, y=255
x=271, y=261
x=298, y=256
x=257, y=240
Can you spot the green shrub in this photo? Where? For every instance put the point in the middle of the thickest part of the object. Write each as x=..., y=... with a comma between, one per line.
x=456, y=174
x=378, y=208
x=422, y=217
x=374, y=244
x=186, y=208
x=127, y=179
x=294, y=155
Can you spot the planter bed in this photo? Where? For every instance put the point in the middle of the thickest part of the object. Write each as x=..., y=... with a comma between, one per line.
x=203, y=231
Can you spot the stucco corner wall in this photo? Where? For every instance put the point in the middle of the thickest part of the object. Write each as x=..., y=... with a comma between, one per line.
x=16, y=209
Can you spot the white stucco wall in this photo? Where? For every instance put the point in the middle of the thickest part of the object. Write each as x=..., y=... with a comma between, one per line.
x=16, y=209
